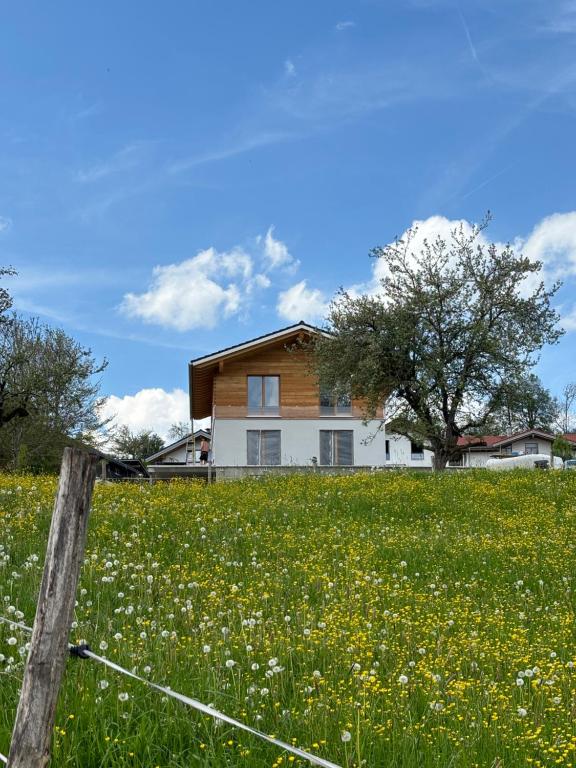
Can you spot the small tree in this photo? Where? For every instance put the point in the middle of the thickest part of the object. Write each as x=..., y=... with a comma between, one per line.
x=566, y=418
x=454, y=323
x=526, y=404
x=561, y=447
x=136, y=445
x=178, y=430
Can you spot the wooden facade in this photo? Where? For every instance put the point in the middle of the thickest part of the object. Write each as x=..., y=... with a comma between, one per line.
x=219, y=383
x=299, y=391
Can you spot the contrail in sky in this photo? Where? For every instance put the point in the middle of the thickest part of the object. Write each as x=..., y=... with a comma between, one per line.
x=468, y=35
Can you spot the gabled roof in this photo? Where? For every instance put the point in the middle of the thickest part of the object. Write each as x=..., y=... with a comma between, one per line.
x=182, y=441
x=500, y=441
x=526, y=433
x=202, y=370
x=267, y=338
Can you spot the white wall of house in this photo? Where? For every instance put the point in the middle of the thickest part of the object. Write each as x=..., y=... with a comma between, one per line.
x=179, y=454
x=400, y=449
x=479, y=458
x=544, y=446
x=476, y=458
x=300, y=441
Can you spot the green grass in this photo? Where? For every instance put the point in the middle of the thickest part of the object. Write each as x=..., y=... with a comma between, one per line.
x=400, y=609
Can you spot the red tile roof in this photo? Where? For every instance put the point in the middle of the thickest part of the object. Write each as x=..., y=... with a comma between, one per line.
x=480, y=441
x=487, y=441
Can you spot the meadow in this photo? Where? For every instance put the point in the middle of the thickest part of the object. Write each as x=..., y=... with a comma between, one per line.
x=378, y=620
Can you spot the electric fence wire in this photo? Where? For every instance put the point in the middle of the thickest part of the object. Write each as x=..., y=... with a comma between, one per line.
x=84, y=652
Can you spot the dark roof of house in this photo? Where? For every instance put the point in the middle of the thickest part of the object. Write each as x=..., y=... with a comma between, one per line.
x=272, y=335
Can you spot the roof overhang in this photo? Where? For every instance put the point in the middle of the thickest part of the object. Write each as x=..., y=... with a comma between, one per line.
x=202, y=370
x=527, y=433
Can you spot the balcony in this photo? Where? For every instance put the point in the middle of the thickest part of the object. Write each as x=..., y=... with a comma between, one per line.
x=286, y=412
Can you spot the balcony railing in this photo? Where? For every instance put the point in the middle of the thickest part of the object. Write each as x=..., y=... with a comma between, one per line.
x=286, y=412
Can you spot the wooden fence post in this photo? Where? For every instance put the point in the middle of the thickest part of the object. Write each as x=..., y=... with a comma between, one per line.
x=32, y=734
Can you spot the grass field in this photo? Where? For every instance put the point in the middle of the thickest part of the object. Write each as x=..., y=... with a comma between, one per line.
x=386, y=620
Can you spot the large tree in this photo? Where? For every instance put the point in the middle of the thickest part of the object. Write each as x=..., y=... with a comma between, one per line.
x=48, y=389
x=47, y=374
x=453, y=323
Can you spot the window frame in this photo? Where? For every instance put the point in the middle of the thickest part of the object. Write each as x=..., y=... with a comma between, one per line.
x=335, y=448
x=416, y=451
x=262, y=409
x=332, y=406
x=259, y=432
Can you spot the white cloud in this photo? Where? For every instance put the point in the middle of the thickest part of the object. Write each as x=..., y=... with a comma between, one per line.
x=301, y=303
x=153, y=409
x=553, y=241
x=568, y=321
x=342, y=25
x=200, y=291
x=276, y=253
x=424, y=230
x=5, y=223
x=197, y=292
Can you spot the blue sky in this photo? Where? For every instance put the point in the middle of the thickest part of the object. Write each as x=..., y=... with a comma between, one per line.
x=176, y=178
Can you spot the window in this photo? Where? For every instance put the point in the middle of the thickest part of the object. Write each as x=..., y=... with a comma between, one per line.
x=456, y=462
x=387, y=450
x=334, y=405
x=263, y=447
x=263, y=395
x=416, y=451
x=337, y=447
x=530, y=448
x=507, y=450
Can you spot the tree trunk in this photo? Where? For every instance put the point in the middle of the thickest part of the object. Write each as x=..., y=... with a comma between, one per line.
x=440, y=459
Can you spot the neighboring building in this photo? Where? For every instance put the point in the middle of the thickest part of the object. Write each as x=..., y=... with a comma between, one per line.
x=268, y=410
x=477, y=450
x=185, y=451
x=110, y=468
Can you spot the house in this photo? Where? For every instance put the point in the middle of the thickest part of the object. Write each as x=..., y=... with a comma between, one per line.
x=477, y=450
x=268, y=410
x=186, y=450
